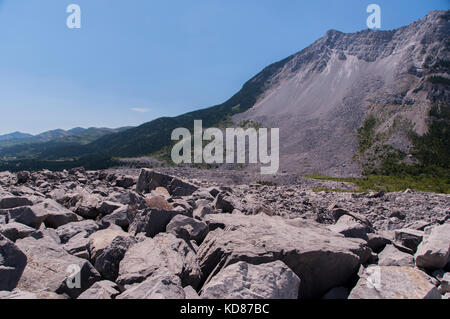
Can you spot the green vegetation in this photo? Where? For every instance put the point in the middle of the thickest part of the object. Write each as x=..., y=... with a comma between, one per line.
x=266, y=183
x=437, y=79
x=366, y=134
x=393, y=183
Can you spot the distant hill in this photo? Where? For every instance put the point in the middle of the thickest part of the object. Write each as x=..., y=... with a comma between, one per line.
x=14, y=136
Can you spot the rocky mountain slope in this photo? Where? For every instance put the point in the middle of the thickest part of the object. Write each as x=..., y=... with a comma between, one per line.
x=322, y=95
x=344, y=105
x=121, y=235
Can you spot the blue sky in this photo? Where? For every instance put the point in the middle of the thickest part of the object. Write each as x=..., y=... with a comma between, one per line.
x=133, y=61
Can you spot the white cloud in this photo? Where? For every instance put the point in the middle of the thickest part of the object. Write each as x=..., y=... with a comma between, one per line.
x=139, y=110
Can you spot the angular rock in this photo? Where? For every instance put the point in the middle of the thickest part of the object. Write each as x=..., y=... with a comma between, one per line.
x=120, y=217
x=14, y=201
x=149, y=180
x=391, y=282
x=78, y=246
x=125, y=181
x=444, y=281
x=188, y=228
x=350, y=227
x=391, y=256
x=245, y=281
x=160, y=285
x=107, y=263
x=409, y=238
x=377, y=242
x=107, y=207
x=49, y=267
x=56, y=215
x=27, y=215
x=158, y=203
x=23, y=177
x=227, y=203
x=70, y=230
x=434, y=251
x=88, y=206
x=164, y=251
x=321, y=258
x=102, y=239
x=12, y=264
x=14, y=231
x=101, y=290
x=151, y=222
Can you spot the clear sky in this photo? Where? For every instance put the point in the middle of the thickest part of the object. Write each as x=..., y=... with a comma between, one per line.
x=133, y=61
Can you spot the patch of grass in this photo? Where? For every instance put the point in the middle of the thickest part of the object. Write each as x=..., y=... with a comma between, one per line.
x=393, y=183
x=266, y=183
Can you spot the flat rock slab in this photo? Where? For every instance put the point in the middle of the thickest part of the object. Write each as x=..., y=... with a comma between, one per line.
x=391, y=256
x=49, y=266
x=390, y=282
x=321, y=258
x=434, y=251
x=164, y=251
x=245, y=281
x=161, y=285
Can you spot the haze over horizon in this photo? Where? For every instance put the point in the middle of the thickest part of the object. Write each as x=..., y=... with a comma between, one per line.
x=132, y=63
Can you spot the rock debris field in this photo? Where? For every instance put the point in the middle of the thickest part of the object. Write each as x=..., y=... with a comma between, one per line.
x=152, y=234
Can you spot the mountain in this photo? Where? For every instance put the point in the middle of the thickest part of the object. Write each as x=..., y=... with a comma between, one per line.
x=365, y=102
x=14, y=136
x=52, y=142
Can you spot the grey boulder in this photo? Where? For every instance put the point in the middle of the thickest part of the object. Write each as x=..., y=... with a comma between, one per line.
x=161, y=285
x=245, y=281
x=434, y=251
x=12, y=264
x=392, y=282
x=188, y=228
x=164, y=251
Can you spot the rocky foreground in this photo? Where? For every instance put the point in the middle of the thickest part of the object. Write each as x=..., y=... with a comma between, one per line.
x=116, y=235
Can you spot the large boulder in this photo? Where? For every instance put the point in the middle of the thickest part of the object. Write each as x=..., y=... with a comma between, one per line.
x=14, y=231
x=164, y=251
x=434, y=251
x=409, y=238
x=87, y=206
x=66, y=232
x=107, y=263
x=102, y=239
x=321, y=258
x=12, y=264
x=14, y=201
x=392, y=282
x=120, y=217
x=162, y=284
x=125, y=181
x=56, y=215
x=27, y=215
x=151, y=221
x=246, y=281
x=188, y=228
x=50, y=269
x=101, y=290
x=391, y=256
x=150, y=180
